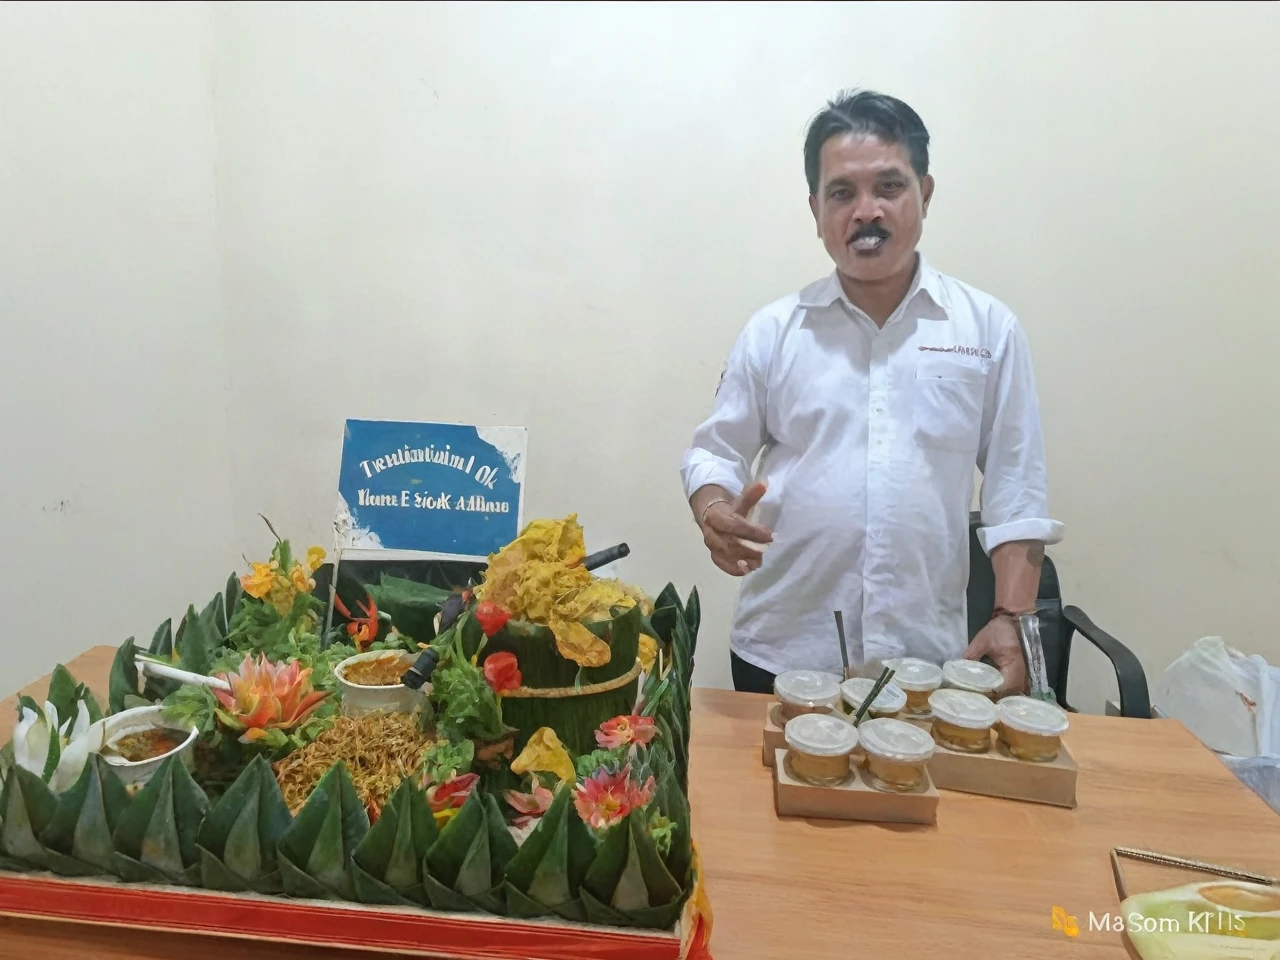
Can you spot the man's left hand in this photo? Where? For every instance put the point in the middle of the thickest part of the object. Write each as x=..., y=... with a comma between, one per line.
x=999, y=641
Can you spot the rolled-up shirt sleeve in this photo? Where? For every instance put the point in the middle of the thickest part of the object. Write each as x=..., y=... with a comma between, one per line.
x=726, y=444
x=1015, y=490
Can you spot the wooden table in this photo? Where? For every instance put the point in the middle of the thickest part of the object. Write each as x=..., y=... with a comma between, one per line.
x=980, y=884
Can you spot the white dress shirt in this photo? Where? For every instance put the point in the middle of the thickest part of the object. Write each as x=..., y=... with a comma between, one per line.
x=867, y=439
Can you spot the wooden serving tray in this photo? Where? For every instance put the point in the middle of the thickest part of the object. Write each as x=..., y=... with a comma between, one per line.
x=406, y=931
x=996, y=774
x=855, y=799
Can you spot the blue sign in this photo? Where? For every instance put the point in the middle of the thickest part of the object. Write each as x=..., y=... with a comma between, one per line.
x=433, y=489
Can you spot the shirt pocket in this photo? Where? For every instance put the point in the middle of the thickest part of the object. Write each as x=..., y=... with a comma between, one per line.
x=948, y=403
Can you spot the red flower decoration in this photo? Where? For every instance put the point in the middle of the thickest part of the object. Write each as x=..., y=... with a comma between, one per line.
x=454, y=793
x=502, y=671
x=491, y=617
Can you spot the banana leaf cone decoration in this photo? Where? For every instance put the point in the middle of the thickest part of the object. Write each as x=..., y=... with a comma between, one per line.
x=155, y=837
x=389, y=863
x=238, y=839
x=315, y=851
x=26, y=806
x=77, y=839
x=545, y=877
x=464, y=868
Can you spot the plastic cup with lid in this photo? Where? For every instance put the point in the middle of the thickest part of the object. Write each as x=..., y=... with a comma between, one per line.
x=818, y=748
x=962, y=720
x=917, y=679
x=1031, y=729
x=888, y=703
x=806, y=691
x=896, y=753
x=972, y=675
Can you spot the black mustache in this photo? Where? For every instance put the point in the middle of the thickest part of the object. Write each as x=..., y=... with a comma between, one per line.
x=870, y=230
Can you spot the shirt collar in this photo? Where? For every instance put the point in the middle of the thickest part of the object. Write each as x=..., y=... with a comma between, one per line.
x=825, y=292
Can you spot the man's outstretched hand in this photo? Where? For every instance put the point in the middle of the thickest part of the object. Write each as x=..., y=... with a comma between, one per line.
x=999, y=641
x=736, y=544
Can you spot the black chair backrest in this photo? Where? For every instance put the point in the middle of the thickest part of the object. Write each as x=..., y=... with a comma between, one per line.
x=981, y=599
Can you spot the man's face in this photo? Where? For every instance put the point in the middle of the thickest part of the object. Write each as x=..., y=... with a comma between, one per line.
x=870, y=206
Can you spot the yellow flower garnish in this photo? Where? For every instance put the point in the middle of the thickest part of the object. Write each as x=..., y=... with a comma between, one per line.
x=315, y=557
x=260, y=582
x=648, y=652
x=545, y=753
x=575, y=642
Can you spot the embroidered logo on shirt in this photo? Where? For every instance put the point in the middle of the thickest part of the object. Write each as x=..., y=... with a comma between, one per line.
x=982, y=352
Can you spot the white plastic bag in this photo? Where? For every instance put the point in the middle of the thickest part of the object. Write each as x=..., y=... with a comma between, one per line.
x=1225, y=698
x=1229, y=701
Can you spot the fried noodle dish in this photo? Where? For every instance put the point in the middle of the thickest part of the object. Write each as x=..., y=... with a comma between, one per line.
x=379, y=751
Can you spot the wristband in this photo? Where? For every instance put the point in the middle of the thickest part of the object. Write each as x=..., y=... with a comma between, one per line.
x=702, y=521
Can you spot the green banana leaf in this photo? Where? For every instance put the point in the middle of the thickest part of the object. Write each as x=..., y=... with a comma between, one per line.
x=412, y=606
x=157, y=688
x=155, y=838
x=195, y=642
x=463, y=870
x=77, y=839
x=389, y=860
x=65, y=693
x=574, y=719
x=315, y=851
x=215, y=616
x=693, y=620
x=238, y=839
x=546, y=875
x=672, y=803
x=27, y=806
x=234, y=594
x=123, y=681
x=629, y=877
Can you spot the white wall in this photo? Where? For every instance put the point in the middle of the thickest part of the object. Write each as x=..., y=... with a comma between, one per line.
x=112, y=369
x=560, y=215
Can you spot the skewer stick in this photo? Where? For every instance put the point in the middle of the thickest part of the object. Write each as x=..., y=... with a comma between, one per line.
x=844, y=645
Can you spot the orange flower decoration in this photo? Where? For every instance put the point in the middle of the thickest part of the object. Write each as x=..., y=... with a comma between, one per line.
x=624, y=731
x=265, y=696
x=604, y=798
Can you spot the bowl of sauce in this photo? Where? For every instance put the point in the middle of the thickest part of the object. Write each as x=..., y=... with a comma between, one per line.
x=371, y=683
x=137, y=741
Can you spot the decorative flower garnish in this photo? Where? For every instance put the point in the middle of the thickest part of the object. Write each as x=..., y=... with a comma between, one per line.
x=446, y=799
x=530, y=806
x=663, y=831
x=604, y=798
x=53, y=749
x=544, y=753
x=623, y=731
x=267, y=697
x=648, y=652
x=282, y=579
x=502, y=671
x=575, y=642
x=491, y=617
x=362, y=630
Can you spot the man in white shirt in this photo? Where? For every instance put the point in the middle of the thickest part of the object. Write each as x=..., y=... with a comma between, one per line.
x=868, y=397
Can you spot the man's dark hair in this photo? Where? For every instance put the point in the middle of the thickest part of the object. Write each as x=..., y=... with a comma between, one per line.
x=866, y=112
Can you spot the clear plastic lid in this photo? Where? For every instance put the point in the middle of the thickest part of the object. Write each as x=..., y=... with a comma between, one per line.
x=889, y=700
x=972, y=675
x=897, y=740
x=821, y=735
x=1033, y=716
x=915, y=675
x=963, y=708
x=807, y=688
